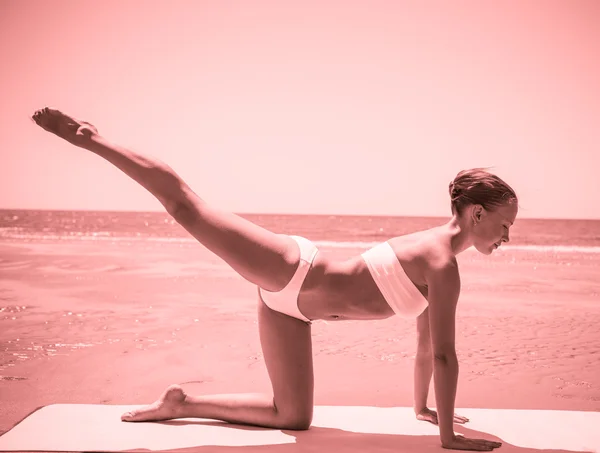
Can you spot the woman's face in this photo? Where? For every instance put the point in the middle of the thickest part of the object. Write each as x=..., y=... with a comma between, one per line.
x=492, y=228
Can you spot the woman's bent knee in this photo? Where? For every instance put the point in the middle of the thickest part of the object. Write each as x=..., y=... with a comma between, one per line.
x=298, y=420
x=297, y=424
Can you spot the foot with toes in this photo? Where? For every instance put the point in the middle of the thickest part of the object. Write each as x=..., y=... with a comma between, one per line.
x=64, y=126
x=167, y=407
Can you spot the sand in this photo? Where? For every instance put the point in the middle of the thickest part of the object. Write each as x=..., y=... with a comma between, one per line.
x=107, y=323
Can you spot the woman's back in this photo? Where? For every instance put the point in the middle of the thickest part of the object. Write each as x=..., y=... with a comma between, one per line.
x=346, y=290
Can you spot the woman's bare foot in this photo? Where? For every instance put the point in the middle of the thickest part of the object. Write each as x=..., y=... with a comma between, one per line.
x=167, y=407
x=64, y=126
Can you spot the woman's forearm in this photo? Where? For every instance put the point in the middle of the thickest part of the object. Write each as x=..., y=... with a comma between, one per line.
x=445, y=379
x=153, y=174
x=422, y=379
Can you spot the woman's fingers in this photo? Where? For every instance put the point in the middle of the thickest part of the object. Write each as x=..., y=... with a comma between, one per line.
x=486, y=443
x=432, y=417
x=466, y=443
x=460, y=419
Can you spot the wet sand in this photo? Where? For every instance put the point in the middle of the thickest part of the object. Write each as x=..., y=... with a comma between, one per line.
x=107, y=323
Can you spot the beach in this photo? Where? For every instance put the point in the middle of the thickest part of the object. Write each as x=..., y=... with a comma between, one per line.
x=117, y=322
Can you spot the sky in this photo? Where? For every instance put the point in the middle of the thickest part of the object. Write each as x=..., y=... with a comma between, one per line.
x=308, y=107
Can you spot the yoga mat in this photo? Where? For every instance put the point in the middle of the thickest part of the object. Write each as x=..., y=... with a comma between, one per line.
x=338, y=429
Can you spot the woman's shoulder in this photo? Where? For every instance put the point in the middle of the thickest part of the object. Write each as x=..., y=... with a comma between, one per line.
x=428, y=249
x=428, y=261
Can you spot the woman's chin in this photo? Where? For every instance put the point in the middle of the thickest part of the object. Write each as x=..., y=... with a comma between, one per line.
x=486, y=250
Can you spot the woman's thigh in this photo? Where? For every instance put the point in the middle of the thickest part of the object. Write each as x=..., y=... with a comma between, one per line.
x=262, y=257
x=287, y=348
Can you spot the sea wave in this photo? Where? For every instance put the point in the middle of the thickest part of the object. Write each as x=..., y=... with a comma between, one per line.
x=104, y=236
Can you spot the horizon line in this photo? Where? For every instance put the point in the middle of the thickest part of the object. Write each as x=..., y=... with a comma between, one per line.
x=290, y=214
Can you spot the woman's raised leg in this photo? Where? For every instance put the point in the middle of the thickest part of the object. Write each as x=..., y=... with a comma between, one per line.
x=287, y=349
x=262, y=257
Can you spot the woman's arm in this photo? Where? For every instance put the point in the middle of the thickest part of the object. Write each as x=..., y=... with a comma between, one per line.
x=423, y=363
x=422, y=380
x=444, y=289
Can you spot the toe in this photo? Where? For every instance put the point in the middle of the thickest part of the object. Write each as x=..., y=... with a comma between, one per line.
x=128, y=416
x=37, y=118
x=143, y=414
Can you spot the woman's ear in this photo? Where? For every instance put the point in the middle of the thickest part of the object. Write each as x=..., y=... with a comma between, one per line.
x=477, y=213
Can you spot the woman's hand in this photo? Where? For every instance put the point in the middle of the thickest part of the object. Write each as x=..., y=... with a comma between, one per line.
x=459, y=442
x=430, y=416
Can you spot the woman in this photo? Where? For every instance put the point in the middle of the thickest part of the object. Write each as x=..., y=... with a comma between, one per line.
x=413, y=276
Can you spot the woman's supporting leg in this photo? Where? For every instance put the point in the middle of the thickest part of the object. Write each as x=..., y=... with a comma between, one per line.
x=287, y=349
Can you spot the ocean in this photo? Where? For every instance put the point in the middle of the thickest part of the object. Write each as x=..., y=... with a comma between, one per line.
x=336, y=231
